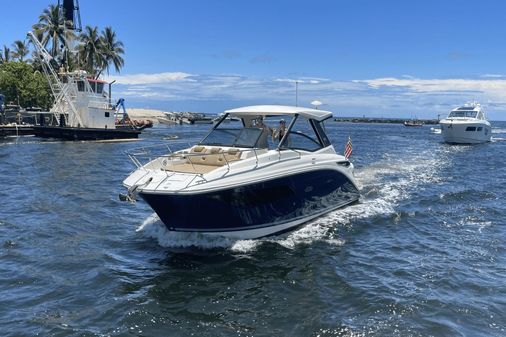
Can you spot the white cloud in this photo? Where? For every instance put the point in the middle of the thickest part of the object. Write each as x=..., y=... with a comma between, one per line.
x=149, y=78
x=493, y=76
x=490, y=88
x=310, y=80
x=285, y=80
x=389, y=96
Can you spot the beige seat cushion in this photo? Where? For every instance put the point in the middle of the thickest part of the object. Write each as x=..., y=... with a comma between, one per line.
x=190, y=168
x=203, y=160
x=233, y=154
x=198, y=149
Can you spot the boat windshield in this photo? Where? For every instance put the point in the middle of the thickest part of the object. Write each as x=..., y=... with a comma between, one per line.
x=245, y=137
x=268, y=132
x=463, y=113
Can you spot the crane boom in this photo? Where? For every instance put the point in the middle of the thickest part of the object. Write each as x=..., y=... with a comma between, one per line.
x=63, y=94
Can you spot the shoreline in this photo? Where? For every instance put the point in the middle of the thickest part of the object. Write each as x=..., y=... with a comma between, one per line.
x=371, y=120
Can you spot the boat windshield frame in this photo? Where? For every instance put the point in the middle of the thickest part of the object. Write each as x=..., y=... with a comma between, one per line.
x=318, y=128
x=249, y=137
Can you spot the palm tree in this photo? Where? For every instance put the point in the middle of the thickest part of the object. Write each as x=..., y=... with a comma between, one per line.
x=90, y=48
x=51, y=27
x=111, y=50
x=20, y=50
x=5, y=56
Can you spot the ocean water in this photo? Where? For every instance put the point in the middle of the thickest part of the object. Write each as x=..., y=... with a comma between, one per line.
x=422, y=254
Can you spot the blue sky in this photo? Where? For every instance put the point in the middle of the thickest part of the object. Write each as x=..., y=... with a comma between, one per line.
x=374, y=58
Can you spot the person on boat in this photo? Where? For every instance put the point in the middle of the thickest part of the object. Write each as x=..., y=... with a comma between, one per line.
x=266, y=132
x=280, y=132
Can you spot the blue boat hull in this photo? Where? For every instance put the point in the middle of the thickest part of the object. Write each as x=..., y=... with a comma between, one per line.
x=275, y=203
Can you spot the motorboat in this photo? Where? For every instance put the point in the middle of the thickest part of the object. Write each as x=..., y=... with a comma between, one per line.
x=226, y=120
x=167, y=120
x=247, y=179
x=466, y=124
x=413, y=123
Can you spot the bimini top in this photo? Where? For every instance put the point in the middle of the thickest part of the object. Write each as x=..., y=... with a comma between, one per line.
x=267, y=110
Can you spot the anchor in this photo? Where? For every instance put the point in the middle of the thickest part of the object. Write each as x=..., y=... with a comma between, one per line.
x=131, y=195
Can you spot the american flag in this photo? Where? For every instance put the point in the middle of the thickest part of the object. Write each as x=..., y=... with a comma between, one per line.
x=348, y=149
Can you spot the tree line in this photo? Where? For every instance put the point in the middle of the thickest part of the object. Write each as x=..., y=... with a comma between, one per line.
x=96, y=52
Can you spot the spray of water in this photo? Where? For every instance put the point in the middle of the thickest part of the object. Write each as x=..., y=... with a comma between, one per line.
x=384, y=184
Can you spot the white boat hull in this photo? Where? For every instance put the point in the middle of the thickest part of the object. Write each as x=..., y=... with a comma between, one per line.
x=457, y=132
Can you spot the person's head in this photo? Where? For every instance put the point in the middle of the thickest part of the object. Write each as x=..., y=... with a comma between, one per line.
x=282, y=122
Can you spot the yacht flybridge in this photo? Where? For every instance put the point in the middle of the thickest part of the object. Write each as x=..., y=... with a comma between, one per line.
x=250, y=178
x=466, y=124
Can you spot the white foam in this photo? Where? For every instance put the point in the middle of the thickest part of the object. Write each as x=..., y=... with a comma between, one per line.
x=152, y=227
x=498, y=130
x=150, y=220
x=245, y=246
x=304, y=235
x=497, y=139
x=380, y=195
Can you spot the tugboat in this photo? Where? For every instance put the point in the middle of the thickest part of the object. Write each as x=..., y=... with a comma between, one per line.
x=82, y=109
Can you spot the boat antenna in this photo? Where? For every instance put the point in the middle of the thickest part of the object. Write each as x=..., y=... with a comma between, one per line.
x=296, y=93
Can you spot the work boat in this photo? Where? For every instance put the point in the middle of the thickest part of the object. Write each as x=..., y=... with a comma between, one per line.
x=248, y=179
x=466, y=124
x=82, y=109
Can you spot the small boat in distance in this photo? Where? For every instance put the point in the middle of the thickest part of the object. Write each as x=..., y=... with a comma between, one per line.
x=226, y=120
x=435, y=130
x=168, y=119
x=466, y=124
x=246, y=180
x=413, y=122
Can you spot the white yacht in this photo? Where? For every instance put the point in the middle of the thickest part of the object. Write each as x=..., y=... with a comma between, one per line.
x=246, y=179
x=466, y=124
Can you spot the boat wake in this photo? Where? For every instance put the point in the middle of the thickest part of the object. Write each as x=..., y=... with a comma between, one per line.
x=384, y=184
x=153, y=227
x=498, y=131
x=497, y=139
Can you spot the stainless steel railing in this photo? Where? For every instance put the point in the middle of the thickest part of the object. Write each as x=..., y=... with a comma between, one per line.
x=166, y=156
